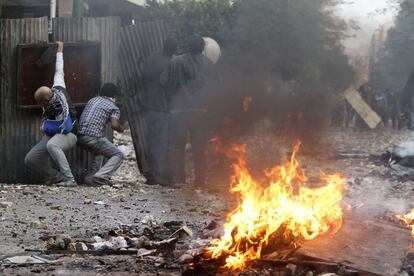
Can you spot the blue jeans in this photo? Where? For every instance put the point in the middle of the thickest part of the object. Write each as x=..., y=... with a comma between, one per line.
x=100, y=148
x=157, y=143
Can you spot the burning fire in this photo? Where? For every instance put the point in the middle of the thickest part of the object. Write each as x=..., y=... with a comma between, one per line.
x=408, y=220
x=284, y=213
x=246, y=103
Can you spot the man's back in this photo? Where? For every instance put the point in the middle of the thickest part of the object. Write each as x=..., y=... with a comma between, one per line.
x=97, y=113
x=186, y=80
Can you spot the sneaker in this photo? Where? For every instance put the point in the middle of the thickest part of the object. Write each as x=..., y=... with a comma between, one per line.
x=54, y=180
x=67, y=183
x=101, y=180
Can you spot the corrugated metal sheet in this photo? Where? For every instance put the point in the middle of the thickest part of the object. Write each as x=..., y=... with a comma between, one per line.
x=19, y=129
x=137, y=43
x=99, y=29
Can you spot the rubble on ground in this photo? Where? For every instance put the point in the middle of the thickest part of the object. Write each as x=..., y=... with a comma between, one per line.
x=163, y=229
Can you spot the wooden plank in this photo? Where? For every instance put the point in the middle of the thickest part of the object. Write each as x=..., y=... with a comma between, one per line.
x=362, y=108
x=369, y=245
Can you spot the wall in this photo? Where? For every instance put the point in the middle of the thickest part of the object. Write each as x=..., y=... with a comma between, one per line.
x=19, y=129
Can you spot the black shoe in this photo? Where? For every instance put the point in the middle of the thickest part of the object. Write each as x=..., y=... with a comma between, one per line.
x=101, y=180
x=157, y=181
x=54, y=180
x=150, y=182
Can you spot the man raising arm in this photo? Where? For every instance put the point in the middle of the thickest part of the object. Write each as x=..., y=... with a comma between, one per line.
x=58, y=125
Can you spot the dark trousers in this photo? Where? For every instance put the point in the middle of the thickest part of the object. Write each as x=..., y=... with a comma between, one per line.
x=182, y=126
x=157, y=142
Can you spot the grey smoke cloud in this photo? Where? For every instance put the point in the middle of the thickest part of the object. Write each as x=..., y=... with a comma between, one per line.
x=369, y=15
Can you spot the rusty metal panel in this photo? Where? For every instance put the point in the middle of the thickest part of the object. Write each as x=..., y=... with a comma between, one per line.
x=36, y=65
x=19, y=129
x=137, y=43
x=93, y=29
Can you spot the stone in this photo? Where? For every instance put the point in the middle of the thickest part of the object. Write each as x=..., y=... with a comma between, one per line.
x=72, y=246
x=185, y=259
x=80, y=246
x=141, y=242
x=87, y=201
x=6, y=204
x=38, y=225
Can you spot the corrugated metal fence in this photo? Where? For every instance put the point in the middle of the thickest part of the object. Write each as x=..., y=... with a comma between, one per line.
x=137, y=43
x=19, y=129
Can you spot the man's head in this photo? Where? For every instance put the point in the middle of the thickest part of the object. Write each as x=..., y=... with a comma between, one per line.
x=43, y=95
x=196, y=44
x=109, y=90
x=170, y=46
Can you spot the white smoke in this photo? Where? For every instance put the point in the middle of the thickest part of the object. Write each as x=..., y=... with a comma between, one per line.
x=404, y=149
x=369, y=16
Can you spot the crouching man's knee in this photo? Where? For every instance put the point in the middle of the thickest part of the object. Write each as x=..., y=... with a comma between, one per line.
x=120, y=156
x=28, y=160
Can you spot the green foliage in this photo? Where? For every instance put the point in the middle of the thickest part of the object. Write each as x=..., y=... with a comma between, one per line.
x=297, y=41
x=212, y=18
x=397, y=58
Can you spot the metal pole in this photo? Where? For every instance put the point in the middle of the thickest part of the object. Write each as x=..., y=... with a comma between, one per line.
x=52, y=14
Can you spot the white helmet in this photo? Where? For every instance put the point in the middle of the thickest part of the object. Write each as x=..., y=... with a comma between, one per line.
x=211, y=49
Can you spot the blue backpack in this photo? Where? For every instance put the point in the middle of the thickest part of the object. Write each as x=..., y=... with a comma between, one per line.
x=52, y=127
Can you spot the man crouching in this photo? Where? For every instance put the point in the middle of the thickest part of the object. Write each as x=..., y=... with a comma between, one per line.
x=97, y=113
x=58, y=125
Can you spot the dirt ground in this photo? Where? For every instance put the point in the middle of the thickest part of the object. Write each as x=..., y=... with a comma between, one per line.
x=38, y=212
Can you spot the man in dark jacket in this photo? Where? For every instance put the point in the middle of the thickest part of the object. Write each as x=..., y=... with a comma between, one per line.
x=59, y=123
x=187, y=81
x=156, y=111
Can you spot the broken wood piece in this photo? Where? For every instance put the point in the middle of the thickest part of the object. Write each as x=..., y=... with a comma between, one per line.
x=164, y=242
x=145, y=252
x=281, y=255
x=377, y=247
x=184, y=230
x=362, y=108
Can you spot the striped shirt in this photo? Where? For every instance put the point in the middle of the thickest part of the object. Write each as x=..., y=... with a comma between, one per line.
x=96, y=115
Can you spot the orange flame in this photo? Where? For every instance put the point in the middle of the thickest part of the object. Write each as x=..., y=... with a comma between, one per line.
x=286, y=212
x=408, y=220
x=246, y=103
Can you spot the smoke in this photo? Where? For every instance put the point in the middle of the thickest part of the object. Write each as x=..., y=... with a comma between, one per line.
x=364, y=17
x=372, y=198
x=404, y=149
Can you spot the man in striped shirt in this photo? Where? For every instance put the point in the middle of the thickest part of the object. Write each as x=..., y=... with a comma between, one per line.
x=91, y=135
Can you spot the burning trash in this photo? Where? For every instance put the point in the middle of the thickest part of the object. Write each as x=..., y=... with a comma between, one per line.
x=408, y=221
x=281, y=214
